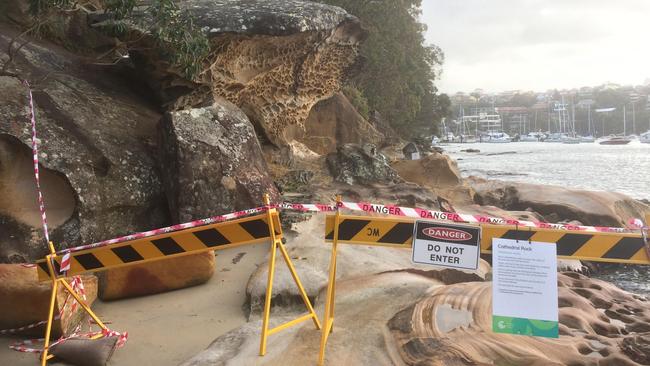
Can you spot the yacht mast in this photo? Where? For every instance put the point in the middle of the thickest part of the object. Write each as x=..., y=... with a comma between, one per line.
x=624, y=120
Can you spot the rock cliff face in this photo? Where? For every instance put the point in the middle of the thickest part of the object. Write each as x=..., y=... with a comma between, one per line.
x=333, y=122
x=273, y=59
x=103, y=171
x=99, y=177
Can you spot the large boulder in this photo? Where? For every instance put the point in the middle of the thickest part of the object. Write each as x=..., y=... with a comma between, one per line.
x=155, y=277
x=98, y=174
x=273, y=59
x=440, y=174
x=434, y=171
x=213, y=162
x=560, y=203
x=24, y=301
x=361, y=164
x=333, y=122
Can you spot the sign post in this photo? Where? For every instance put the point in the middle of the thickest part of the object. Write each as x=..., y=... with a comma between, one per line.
x=524, y=288
x=447, y=245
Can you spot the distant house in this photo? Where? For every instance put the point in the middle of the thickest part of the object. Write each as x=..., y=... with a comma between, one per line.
x=411, y=152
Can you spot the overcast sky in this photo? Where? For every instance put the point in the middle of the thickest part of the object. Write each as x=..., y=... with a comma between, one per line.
x=539, y=44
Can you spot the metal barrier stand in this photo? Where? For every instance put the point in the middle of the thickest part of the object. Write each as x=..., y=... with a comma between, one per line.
x=328, y=320
x=165, y=245
x=45, y=356
x=276, y=243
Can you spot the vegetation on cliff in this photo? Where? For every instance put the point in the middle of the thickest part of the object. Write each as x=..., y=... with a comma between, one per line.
x=399, y=69
x=181, y=42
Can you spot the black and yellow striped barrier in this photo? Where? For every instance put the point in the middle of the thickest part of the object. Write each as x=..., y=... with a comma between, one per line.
x=588, y=246
x=261, y=228
x=217, y=236
x=397, y=232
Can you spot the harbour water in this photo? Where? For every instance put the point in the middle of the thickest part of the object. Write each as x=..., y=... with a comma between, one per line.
x=591, y=166
x=623, y=168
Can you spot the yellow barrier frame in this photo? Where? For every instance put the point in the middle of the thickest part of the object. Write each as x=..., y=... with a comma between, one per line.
x=276, y=243
x=50, y=317
x=328, y=321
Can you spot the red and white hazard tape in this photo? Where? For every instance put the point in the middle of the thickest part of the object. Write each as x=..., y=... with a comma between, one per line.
x=30, y=345
x=35, y=345
x=41, y=200
x=458, y=217
x=446, y=216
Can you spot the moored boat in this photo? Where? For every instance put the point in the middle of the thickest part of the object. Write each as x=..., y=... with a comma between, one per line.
x=532, y=137
x=645, y=137
x=496, y=137
x=615, y=140
x=570, y=140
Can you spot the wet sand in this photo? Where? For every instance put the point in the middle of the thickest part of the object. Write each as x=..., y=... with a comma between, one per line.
x=169, y=328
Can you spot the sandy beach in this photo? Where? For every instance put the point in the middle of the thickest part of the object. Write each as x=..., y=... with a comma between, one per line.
x=169, y=328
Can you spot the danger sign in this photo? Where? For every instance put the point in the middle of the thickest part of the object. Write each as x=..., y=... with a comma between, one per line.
x=447, y=245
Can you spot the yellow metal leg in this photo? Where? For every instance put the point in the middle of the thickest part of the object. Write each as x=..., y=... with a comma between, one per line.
x=267, y=300
x=328, y=321
x=50, y=320
x=296, y=279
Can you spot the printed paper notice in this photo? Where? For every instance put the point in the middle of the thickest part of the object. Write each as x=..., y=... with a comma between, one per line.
x=524, y=288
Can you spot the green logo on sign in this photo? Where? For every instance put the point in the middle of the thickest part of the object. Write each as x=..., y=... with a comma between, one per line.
x=522, y=326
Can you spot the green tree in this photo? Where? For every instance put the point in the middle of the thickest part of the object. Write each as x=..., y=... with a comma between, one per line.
x=399, y=69
x=173, y=30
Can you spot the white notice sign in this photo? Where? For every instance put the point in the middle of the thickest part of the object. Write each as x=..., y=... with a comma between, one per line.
x=448, y=245
x=524, y=288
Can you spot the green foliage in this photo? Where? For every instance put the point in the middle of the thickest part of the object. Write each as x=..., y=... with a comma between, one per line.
x=183, y=44
x=399, y=71
x=357, y=99
x=522, y=100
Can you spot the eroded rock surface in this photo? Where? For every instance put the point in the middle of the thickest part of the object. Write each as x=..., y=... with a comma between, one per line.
x=453, y=326
x=333, y=122
x=213, y=162
x=560, y=203
x=273, y=59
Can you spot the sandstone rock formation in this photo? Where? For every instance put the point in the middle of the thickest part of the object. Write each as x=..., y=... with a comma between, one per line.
x=333, y=122
x=213, y=162
x=156, y=277
x=24, y=301
x=560, y=203
x=99, y=177
x=440, y=174
x=273, y=59
x=433, y=170
x=453, y=326
x=425, y=318
x=356, y=164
